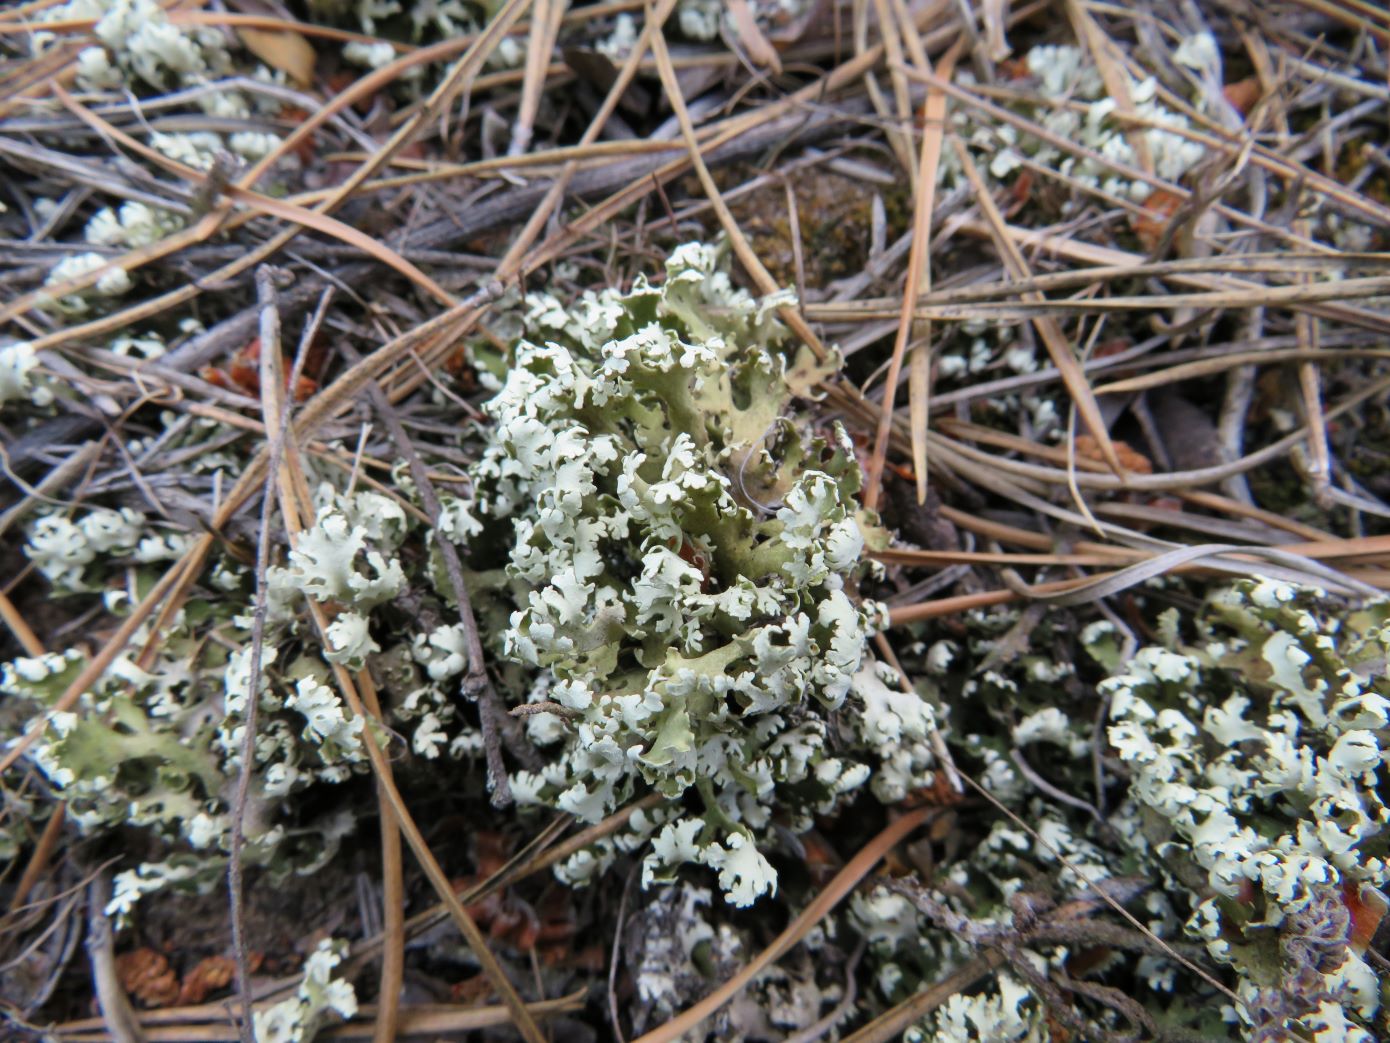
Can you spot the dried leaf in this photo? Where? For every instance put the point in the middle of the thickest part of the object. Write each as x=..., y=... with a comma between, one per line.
x=146, y=975
x=211, y=974
x=1135, y=462
x=1367, y=908
x=1243, y=94
x=242, y=372
x=289, y=52
x=1159, y=209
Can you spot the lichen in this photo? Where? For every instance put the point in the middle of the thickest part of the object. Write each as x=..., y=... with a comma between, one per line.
x=683, y=560
x=1061, y=75
x=319, y=998
x=1256, y=753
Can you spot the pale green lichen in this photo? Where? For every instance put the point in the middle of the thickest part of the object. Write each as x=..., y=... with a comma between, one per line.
x=1008, y=1013
x=111, y=283
x=1064, y=74
x=132, y=225
x=684, y=560
x=158, y=745
x=319, y=999
x=18, y=381
x=1257, y=754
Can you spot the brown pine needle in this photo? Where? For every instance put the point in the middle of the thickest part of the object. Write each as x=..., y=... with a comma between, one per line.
x=918, y=282
x=1059, y=348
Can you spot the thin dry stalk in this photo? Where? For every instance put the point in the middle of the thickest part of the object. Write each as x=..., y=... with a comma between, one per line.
x=393, y=897
x=277, y=421
x=296, y=506
x=742, y=249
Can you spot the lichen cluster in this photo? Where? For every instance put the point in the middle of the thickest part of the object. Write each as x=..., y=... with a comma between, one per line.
x=684, y=559
x=139, y=51
x=156, y=742
x=671, y=573
x=1257, y=754
x=1068, y=98
x=1232, y=796
x=680, y=592
x=319, y=996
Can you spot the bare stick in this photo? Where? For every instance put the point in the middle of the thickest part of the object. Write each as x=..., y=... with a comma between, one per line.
x=270, y=352
x=101, y=948
x=476, y=683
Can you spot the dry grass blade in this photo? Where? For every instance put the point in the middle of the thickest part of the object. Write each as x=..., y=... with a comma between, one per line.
x=1103, y=256
x=115, y=1006
x=294, y=491
x=1171, y=480
x=1301, y=297
x=207, y=1023
x=901, y=145
x=933, y=133
x=1276, y=264
x=545, y=23
x=39, y=860
x=14, y=309
x=393, y=897
x=1355, y=13
x=513, y=258
x=1225, y=557
x=20, y=12
x=477, y=50
x=239, y=22
x=454, y=82
x=940, y=558
x=1085, y=589
x=891, y=38
x=19, y=627
x=521, y=1016
x=1295, y=174
x=939, y=608
x=893, y=1023
x=275, y=415
x=1103, y=54
x=760, y=51
x=1220, y=364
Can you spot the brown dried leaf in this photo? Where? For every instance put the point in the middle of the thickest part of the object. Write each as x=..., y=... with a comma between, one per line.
x=211, y=974
x=146, y=975
x=289, y=52
x=1135, y=462
x=1243, y=94
x=1158, y=210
